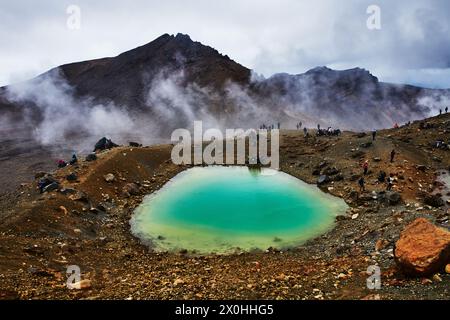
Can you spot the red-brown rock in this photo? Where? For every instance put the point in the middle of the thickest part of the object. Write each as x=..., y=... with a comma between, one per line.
x=423, y=248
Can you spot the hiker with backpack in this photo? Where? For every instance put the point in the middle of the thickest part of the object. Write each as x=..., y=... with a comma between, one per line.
x=390, y=183
x=361, y=183
x=366, y=167
x=393, y=155
x=74, y=159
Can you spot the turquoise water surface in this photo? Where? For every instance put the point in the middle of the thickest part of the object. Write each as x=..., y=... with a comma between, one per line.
x=220, y=209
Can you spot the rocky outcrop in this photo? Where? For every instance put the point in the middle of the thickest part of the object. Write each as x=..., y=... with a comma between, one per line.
x=390, y=198
x=130, y=189
x=323, y=179
x=423, y=248
x=434, y=200
x=91, y=157
x=104, y=144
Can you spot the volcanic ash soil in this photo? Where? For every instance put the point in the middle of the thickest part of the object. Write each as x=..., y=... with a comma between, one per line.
x=86, y=223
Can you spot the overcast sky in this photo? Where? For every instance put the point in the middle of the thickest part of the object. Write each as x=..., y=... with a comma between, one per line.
x=412, y=46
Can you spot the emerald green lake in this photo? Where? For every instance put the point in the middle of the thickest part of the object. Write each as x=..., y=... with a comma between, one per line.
x=220, y=209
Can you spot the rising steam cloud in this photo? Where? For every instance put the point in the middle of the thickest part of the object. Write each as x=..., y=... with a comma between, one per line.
x=58, y=115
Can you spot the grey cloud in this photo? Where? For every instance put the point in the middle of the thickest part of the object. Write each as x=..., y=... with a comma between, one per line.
x=283, y=36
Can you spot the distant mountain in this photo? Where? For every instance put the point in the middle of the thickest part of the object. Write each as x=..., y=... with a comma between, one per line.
x=121, y=79
x=353, y=99
x=174, y=80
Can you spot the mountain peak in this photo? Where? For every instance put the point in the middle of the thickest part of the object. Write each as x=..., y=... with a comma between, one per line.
x=183, y=37
x=321, y=69
x=354, y=74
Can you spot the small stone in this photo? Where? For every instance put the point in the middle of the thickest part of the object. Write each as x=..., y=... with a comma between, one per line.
x=381, y=244
x=71, y=177
x=323, y=180
x=79, y=196
x=434, y=200
x=131, y=189
x=109, y=177
x=447, y=268
x=91, y=157
x=80, y=285
x=51, y=187
x=63, y=209
x=178, y=282
x=437, y=278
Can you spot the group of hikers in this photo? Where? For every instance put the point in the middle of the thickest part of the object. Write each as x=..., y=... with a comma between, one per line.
x=441, y=144
x=269, y=127
x=320, y=132
x=305, y=130
x=381, y=176
x=446, y=110
x=62, y=163
x=328, y=132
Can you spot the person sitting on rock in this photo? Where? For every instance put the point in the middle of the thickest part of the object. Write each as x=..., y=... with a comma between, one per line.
x=74, y=159
x=61, y=163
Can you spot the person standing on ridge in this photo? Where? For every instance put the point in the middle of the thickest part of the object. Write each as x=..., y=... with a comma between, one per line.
x=390, y=183
x=374, y=135
x=361, y=182
x=446, y=109
x=382, y=177
x=305, y=131
x=366, y=167
x=392, y=155
x=74, y=159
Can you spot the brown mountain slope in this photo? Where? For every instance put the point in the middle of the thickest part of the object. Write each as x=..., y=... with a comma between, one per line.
x=173, y=80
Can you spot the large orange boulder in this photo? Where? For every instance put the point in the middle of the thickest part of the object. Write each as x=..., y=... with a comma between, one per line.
x=423, y=248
